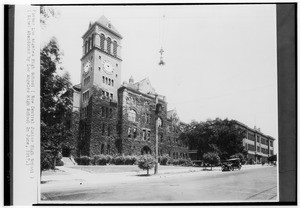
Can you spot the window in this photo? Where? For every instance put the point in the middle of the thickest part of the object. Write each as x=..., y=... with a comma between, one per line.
x=86, y=81
x=102, y=148
x=89, y=43
x=92, y=41
x=108, y=149
x=103, y=129
x=258, y=149
x=271, y=143
x=100, y=57
x=85, y=96
x=134, y=133
x=108, y=45
x=106, y=80
x=111, y=96
x=148, y=118
x=258, y=139
x=132, y=115
x=110, y=112
x=161, y=137
x=107, y=94
x=129, y=132
x=144, y=134
x=115, y=46
x=109, y=81
x=85, y=47
x=103, y=79
x=106, y=109
x=112, y=82
x=103, y=111
x=148, y=135
x=102, y=39
x=251, y=137
x=108, y=130
x=159, y=122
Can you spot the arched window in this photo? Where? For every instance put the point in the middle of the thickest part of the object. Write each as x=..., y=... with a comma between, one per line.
x=115, y=46
x=102, y=39
x=108, y=45
x=159, y=122
x=112, y=82
x=106, y=80
x=132, y=115
x=86, y=47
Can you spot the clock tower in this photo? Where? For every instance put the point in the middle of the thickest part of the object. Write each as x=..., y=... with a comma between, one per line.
x=100, y=81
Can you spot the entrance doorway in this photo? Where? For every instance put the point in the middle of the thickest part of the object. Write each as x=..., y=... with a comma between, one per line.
x=145, y=150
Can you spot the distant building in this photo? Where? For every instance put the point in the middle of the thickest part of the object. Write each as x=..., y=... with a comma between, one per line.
x=119, y=118
x=258, y=145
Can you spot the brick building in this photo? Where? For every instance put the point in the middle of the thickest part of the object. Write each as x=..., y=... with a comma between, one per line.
x=258, y=145
x=119, y=118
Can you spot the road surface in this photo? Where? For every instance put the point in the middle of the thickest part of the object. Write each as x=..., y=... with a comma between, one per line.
x=257, y=184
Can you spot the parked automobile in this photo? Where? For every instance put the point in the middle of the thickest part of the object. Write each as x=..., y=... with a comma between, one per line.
x=231, y=164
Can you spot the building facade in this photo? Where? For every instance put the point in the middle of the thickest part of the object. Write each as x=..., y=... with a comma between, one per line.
x=258, y=145
x=119, y=118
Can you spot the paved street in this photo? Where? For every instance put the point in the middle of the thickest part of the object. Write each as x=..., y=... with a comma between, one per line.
x=254, y=184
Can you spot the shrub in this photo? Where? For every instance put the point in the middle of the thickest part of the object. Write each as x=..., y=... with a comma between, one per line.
x=146, y=162
x=109, y=159
x=119, y=160
x=175, y=162
x=46, y=160
x=251, y=162
x=165, y=159
x=99, y=160
x=59, y=162
x=83, y=160
x=185, y=162
x=130, y=160
x=211, y=158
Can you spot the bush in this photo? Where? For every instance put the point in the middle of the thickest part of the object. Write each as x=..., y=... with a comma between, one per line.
x=165, y=159
x=119, y=160
x=251, y=162
x=83, y=160
x=146, y=162
x=99, y=160
x=59, y=162
x=211, y=158
x=185, y=162
x=46, y=160
x=130, y=160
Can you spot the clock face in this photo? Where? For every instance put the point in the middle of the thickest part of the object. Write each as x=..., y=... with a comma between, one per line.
x=87, y=67
x=108, y=68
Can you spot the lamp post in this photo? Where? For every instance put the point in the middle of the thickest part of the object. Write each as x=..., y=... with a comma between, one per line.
x=156, y=135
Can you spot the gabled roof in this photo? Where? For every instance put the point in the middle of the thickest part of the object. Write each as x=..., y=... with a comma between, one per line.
x=104, y=22
x=145, y=86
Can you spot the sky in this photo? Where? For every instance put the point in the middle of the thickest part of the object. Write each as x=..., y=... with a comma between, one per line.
x=220, y=59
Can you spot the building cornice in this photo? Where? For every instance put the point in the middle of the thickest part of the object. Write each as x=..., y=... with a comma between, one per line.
x=96, y=48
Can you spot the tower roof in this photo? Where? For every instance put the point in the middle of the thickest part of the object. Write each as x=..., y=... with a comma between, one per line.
x=104, y=22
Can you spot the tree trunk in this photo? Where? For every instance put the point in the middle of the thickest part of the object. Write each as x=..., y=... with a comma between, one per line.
x=147, y=171
x=54, y=162
x=210, y=166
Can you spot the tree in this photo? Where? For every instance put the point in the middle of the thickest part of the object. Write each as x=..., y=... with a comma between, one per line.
x=272, y=158
x=221, y=136
x=211, y=158
x=146, y=162
x=56, y=102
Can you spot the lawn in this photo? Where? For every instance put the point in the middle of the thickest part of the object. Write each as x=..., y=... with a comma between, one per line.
x=118, y=168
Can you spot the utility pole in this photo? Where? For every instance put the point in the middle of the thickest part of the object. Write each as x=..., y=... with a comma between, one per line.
x=156, y=135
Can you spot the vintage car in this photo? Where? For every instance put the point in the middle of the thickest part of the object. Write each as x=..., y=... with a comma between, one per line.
x=231, y=164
